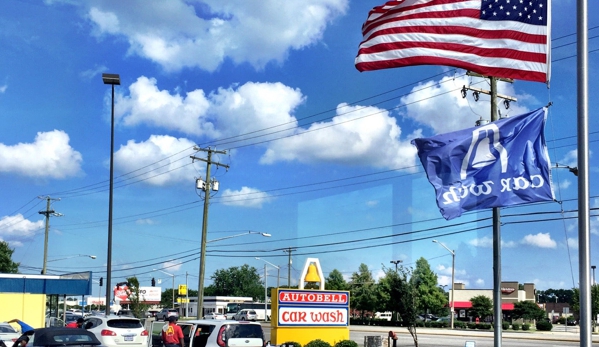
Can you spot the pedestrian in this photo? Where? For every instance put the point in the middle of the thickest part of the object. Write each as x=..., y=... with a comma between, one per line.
x=76, y=324
x=21, y=341
x=172, y=335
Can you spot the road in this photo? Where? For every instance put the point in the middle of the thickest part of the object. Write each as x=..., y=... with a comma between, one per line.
x=446, y=338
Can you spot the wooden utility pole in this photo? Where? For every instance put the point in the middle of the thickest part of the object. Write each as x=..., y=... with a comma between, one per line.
x=48, y=212
x=206, y=187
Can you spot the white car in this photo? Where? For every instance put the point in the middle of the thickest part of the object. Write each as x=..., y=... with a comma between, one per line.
x=214, y=333
x=246, y=314
x=117, y=331
x=215, y=315
x=8, y=334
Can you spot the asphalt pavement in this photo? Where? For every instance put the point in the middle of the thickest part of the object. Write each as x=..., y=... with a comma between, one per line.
x=572, y=334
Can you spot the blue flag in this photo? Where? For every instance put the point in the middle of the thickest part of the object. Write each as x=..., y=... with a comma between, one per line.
x=503, y=163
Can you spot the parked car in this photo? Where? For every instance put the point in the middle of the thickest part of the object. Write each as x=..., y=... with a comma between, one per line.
x=60, y=336
x=8, y=333
x=167, y=312
x=126, y=313
x=151, y=313
x=246, y=314
x=214, y=333
x=215, y=315
x=116, y=331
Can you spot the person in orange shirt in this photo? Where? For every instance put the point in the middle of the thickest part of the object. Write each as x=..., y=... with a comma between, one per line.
x=172, y=335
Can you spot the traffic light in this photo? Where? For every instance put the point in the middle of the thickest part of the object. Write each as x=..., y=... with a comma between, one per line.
x=101, y=281
x=153, y=282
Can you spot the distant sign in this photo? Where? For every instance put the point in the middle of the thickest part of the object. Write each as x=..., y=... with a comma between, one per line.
x=182, y=289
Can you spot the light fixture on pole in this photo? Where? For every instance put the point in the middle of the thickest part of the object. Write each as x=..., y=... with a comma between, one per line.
x=173, y=276
x=112, y=79
x=276, y=267
x=396, y=262
x=200, y=304
x=74, y=256
x=452, y=279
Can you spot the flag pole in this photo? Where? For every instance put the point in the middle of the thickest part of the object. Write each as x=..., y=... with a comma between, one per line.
x=497, y=312
x=583, y=174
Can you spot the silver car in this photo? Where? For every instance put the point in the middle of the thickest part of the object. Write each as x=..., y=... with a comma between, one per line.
x=8, y=334
x=246, y=314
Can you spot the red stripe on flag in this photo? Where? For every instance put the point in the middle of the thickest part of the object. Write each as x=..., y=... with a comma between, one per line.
x=424, y=60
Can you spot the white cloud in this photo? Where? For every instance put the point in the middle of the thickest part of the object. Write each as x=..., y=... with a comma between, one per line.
x=15, y=229
x=146, y=221
x=178, y=34
x=172, y=169
x=49, y=156
x=573, y=243
x=487, y=242
x=223, y=113
x=245, y=197
x=350, y=138
x=171, y=266
x=570, y=159
x=565, y=183
x=480, y=283
x=449, y=111
x=93, y=72
x=541, y=240
x=3, y=88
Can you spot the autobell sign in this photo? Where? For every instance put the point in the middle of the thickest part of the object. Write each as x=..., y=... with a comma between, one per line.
x=312, y=308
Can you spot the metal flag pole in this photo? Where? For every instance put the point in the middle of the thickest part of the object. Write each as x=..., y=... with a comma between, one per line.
x=583, y=173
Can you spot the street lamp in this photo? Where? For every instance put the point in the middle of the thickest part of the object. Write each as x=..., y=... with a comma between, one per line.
x=276, y=267
x=112, y=79
x=452, y=279
x=594, y=267
x=203, y=266
x=74, y=256
x=173, y=276
x=396, y=262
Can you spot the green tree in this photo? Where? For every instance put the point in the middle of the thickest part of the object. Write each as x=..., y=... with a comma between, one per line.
x=137, y=306
x=594, y=301
x=398, y=295
x=431, y=297
x=7, y=266
x=482, y=306
x=527, y=310
x=237, y=281
x=335, y=281
x=363, y=290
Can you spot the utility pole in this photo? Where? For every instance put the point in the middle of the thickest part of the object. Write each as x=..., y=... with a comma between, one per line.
x=48, y=212
x=497, y=313
x=289, y=250
x=206, y=187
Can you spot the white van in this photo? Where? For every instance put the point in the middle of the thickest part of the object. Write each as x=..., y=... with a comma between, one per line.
x=383, y=315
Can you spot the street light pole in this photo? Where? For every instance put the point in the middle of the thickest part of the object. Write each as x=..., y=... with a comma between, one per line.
x=112, y=79
x=593, y=268
x=173, y=276
x=396, y=262
x=276, y=267
x=452, y=279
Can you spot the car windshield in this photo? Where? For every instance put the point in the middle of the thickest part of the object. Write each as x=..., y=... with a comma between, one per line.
x=124, y=323
x=244, y=331
x=7, y=329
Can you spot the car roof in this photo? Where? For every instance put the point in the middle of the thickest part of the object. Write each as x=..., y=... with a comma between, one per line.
x=112, y=316
x=54, y=337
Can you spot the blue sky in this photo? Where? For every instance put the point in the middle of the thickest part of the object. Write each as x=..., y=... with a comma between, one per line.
x=319, y=154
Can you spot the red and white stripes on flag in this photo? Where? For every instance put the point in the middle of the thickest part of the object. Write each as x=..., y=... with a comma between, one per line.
x=500, y=38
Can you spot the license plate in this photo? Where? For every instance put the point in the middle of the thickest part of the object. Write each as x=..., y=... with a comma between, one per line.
x=129, y=337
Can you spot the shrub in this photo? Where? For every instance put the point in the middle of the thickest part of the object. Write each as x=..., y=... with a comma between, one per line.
x=471, y=325
x=458, y=324
x=516, y=326
x=544, y=325
x=483, y=326
x=525, y=326
x=346, y=343
x=292, y=344
x=505, y=325
x=317, y=343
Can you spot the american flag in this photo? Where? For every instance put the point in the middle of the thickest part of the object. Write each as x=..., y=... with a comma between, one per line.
x=500, y=38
